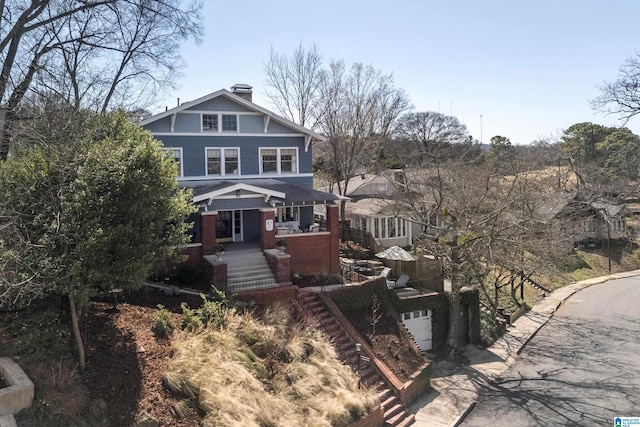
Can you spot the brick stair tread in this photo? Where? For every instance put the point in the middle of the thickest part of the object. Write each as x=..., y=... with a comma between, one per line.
x=341, y=340
x=389, y=400
x=407, y=421
x=324, y=315
x=315, y=305
x=397, y=418
x=332, y=328
x=393, y=410
x=380, y=385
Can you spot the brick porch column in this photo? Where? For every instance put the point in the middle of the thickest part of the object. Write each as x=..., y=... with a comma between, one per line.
x=333, y=214
x=267, y=237
x=208, y=231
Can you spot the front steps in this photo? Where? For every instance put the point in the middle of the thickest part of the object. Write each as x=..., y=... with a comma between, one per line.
x=395, y=413
x=247, y=270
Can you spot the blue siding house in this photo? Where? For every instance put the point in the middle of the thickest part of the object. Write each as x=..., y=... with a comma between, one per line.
x=251, y=175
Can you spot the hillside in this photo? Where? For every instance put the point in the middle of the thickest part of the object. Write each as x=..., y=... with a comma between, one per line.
x=268, y=371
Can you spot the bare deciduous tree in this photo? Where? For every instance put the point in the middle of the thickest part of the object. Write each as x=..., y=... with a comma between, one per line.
x=360, y=107
x=293, y=84
x=96, y=54
x=622, y=97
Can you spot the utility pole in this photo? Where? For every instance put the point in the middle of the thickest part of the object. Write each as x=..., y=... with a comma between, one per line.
x=481, y=128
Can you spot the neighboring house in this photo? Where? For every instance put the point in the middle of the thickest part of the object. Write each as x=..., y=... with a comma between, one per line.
x=250, y=171
x=372, y=208
x=588, y=221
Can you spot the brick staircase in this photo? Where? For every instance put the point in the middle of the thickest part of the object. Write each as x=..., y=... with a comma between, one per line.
x=247, y=269
x=395, y=414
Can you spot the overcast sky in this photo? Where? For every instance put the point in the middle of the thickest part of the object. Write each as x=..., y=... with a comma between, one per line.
x=523, y=70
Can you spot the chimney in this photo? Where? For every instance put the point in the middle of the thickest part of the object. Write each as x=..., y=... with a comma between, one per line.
x=243, y=91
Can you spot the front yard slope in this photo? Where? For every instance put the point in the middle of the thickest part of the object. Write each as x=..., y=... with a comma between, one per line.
x=268, y=372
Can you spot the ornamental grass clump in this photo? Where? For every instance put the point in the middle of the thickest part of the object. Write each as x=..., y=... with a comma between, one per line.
x=271, y=371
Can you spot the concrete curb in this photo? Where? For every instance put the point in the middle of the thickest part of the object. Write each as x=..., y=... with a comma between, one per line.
x=460, y=418
x=507, y=348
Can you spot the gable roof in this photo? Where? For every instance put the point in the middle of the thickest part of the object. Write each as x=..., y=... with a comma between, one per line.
x=275, y=192
x=370, y=185
x=309, y=134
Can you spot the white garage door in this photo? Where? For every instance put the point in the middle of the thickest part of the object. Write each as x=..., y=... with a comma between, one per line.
x=419, y=325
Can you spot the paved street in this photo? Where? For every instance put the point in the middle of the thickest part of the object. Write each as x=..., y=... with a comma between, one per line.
x=582, y=368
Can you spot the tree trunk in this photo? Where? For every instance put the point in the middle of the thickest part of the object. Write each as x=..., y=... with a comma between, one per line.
x=454, y=318
x=76, y=332
x=454, y=314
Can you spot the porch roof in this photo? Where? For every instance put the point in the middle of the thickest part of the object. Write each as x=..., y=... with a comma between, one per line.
x=274, y=192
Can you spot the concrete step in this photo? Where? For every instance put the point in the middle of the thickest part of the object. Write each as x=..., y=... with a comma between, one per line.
x=256, y=263
x=248, y=269
x=239, y=276
x=248, y=286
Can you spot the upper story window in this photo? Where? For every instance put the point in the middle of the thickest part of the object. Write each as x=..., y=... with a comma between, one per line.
x=219, y=122
x=589, y=225
x=176, y=155
x=210, y=123
x=278, y=160
x=223, y=161
x=380, y=187
x=229, y=123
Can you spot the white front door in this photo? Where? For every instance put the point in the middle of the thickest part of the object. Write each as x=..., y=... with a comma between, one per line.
x=419, y=325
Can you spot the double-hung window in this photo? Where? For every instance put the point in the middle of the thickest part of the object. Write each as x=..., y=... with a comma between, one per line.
x=223, y=161
x=176, y=155
x=278, y=160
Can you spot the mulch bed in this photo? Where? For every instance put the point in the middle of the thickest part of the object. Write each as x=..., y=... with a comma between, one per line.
x=391, y=343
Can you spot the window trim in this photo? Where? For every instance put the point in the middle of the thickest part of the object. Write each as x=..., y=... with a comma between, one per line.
x=181, y=159
x=381, y=227
x=279, y=161
x=212, y=130
x=223, y=168
x=219, y=122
